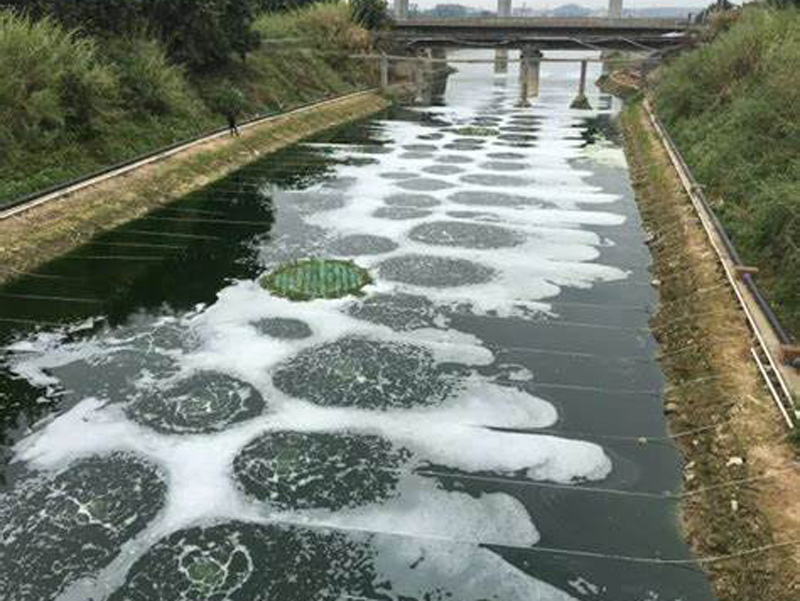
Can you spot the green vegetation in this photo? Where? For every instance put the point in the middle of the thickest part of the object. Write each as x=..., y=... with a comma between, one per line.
x=317, y=278
x=196, y=33
x=733, y=108
x=73, y=100
x=371, y=14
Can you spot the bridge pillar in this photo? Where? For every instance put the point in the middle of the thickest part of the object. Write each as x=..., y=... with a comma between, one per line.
x=523, y=83
x=501, y=60
x=419, y=80
x=529, y=67
x=420, y=84
x=401, y=9
x=614, y=9
x=384, y=66
x=581, y=102
x=439, y=73
x=501, y=54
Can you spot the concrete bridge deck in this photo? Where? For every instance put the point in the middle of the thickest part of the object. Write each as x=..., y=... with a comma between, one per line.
x=544, y=32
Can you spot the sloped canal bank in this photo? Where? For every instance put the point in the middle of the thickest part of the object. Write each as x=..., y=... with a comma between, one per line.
x=470, y=428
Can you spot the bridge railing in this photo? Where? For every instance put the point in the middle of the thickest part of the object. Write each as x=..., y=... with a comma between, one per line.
x=554, y=22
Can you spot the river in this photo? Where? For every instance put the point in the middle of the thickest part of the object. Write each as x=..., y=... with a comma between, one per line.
x=484, y=422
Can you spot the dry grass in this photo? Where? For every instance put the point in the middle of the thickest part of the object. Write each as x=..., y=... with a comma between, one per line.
x=704, y=335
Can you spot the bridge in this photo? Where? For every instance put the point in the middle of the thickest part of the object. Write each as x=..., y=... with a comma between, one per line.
x=545, y=33
x=612, y=32
x=531, y=36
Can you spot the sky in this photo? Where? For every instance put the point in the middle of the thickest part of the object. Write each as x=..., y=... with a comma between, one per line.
x=555, y=3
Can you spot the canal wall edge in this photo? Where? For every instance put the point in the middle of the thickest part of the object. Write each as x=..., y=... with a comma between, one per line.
x=741, y=478
x=69, y=219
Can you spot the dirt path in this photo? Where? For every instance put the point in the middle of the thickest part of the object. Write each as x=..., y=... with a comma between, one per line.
x=716, y=388
x=49, y=230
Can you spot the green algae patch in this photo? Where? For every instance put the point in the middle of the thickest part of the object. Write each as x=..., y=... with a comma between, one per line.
x=316, y=278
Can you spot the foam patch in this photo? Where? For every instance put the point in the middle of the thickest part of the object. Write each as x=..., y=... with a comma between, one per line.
x=283, y=327
x=293, y=470
x=469, y=235
x=56, y=529
x=333, y=448
x=356, y=372
x=362, y=244
x=434, y=272
x=424, y=201
x=203, y=402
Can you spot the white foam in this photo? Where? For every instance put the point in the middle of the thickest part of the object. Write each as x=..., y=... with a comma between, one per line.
x=559, y=251
x=425, y=512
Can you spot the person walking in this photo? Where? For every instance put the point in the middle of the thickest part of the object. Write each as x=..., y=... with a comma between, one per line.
x=233, y=127
x=230, y=103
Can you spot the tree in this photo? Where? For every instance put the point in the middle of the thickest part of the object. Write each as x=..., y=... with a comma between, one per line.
x=282, y=5
x=98, y=17
x=237, y=21
x=370, y=14
x=204, y=33
x=201, y=34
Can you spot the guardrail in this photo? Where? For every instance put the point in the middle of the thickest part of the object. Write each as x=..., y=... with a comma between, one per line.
x=779, y=390
x=663, y=23
x=782, y=333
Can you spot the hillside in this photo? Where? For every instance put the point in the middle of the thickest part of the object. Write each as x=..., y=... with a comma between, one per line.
x=72, y=102
x=733, y=108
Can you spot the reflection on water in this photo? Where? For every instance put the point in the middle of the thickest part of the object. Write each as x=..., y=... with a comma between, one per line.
x=207, y=440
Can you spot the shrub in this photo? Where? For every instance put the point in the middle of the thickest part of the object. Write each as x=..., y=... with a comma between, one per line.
x=733, y=107
x=71, y=103
x=370, y=14
x=322, y=26
x=228, y=101
x=719, y=21
x=50, y=79
x=201, y=34
x=150, y=82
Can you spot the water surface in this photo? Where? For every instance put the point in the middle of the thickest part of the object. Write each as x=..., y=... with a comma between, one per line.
x=468, y=429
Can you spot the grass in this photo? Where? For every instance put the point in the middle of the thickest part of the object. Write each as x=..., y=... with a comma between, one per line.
x=733, y=108
x=70, y=105
x=704, y=340
x=53, y=229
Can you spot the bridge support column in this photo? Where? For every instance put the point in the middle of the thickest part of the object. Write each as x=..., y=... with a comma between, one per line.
x=581, y=102
x=419, y=80
x=523, y=84
x=501, y=54
x=401, y=9
x=439, y=73
x=529, y=66
x=384, y=66
x=501, y=60
x=614, y=9
x=534, y=67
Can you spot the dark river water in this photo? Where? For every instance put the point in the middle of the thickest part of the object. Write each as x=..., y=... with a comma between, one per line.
x=468, y=429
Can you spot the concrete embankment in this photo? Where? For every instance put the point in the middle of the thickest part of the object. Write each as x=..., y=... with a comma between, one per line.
x=42, y=233
x=742, y=483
